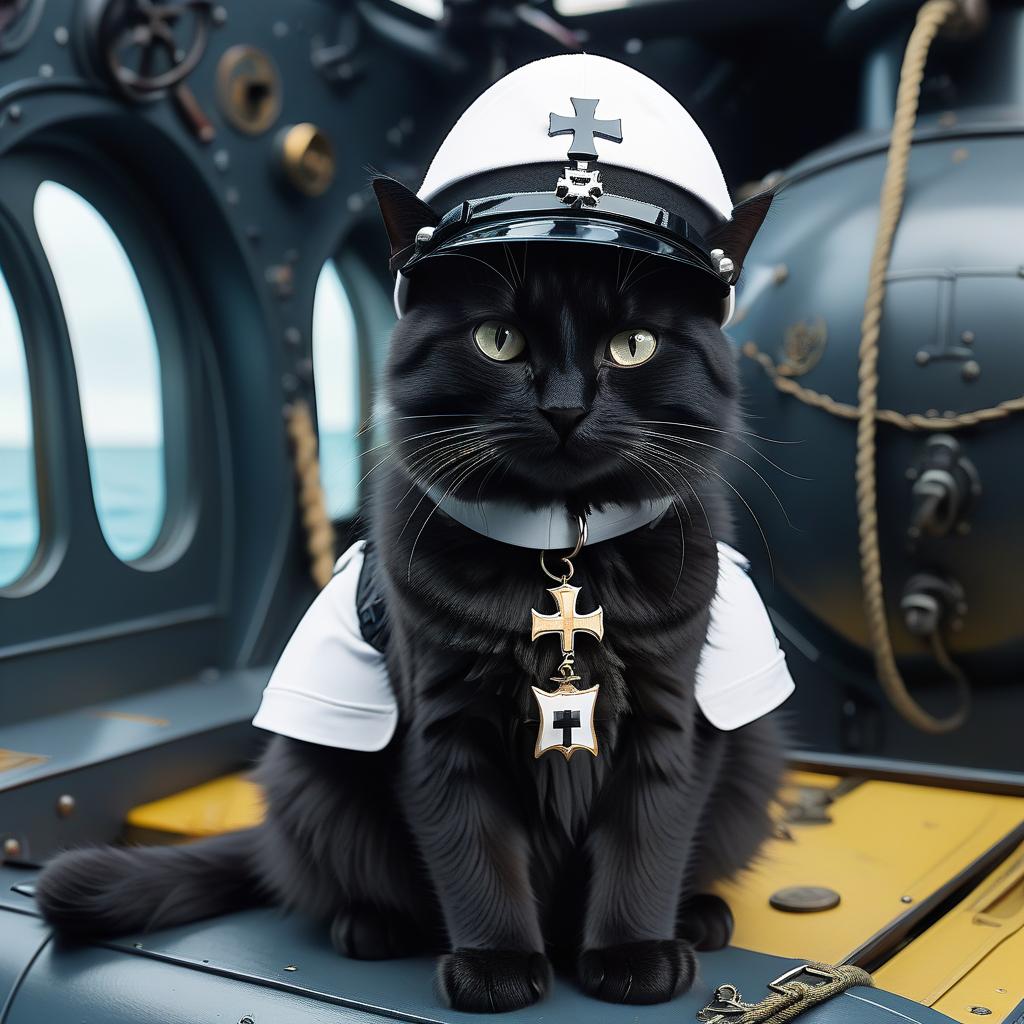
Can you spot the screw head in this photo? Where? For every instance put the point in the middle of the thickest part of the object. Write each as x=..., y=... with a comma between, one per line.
x=981, y=1011
x=726, y=267
x=906, y=899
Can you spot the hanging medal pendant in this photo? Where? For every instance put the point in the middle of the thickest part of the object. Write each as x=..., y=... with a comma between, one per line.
x=567, y=714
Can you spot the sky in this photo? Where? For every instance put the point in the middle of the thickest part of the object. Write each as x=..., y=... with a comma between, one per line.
x=113, y=341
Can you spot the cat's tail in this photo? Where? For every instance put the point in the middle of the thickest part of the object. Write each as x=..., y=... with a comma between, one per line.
x=112, y=890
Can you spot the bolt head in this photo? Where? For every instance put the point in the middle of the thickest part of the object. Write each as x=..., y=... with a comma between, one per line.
x=424, y=235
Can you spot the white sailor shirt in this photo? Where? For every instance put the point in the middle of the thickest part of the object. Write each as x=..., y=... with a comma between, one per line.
x=331, y=686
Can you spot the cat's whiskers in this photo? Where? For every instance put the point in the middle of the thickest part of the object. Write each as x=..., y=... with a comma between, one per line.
x=476, y=464
x=638, y=462
x=396, y=448
x=421, y=469
x=375, y=419
x=672, y=467
x=704, y=444
x=633, y=268
x=672, y=454
x=734, y=437
x=716, y=430
x=512, y=269
x=490, y=266
x=397, y=441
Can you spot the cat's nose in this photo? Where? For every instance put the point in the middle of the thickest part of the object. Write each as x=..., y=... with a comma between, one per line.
x=564, y=420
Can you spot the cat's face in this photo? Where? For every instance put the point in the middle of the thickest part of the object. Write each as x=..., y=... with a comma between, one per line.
x=558, y=371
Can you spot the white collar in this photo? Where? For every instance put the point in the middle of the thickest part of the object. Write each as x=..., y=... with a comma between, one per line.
x=549, y=528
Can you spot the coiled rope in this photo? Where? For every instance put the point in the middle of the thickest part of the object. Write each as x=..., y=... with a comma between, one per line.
x=312, y=504
x=930, y=19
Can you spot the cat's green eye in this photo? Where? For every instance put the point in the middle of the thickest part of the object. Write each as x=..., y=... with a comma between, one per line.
x=632, y=347
x=499, y=341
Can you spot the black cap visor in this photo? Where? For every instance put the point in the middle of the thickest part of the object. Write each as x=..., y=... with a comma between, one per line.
x=540, y=217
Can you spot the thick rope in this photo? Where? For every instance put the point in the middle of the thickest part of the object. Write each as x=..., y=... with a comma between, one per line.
x=905, y=421
x=930, y=20
x=786, y=1000
x=312, y=504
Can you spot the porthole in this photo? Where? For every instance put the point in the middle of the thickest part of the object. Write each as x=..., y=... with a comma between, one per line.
x=19, y=509
x=117, y=365
x=336, y=373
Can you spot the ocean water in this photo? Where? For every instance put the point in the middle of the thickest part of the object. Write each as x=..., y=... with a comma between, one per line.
x=128, y=487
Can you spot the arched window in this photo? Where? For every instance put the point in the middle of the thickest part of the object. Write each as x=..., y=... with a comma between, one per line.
x=117, y=365
x=336, y=373
x=19, y=512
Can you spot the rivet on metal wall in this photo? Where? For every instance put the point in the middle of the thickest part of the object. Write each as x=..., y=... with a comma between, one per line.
x=65, y=805
x=12, y=848
x=307, y=158
x=61, y=35
x=971, y=370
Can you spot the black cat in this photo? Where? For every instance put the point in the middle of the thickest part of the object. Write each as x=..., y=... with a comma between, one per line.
x=455, y=837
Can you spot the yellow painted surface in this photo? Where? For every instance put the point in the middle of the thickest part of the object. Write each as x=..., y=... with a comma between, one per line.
x=222, y=805
x=974, y=956
x=886, y=840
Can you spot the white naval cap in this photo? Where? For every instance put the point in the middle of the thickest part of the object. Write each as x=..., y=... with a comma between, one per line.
x=575, y=147
x=508, y=126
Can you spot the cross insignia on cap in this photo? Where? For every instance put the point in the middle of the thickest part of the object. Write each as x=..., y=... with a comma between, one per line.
x=584, y=126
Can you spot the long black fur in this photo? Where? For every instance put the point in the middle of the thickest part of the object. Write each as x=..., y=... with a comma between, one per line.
x=454, y=838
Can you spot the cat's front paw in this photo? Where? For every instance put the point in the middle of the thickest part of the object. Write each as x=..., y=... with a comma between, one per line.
x=638, y=972
x=492, y=980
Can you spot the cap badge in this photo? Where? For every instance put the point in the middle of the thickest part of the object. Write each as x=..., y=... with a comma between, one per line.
x=580, y=185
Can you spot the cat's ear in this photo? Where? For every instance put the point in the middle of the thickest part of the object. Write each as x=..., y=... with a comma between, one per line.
x=735, y=236
x=403, y=211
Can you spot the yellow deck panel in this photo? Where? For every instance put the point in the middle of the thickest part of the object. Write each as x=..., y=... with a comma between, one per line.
x=227, y=804
x=888, y=846
x=973, y=956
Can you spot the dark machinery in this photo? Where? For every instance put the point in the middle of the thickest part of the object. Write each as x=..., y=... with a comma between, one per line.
x=228, y=147
x=949, y=499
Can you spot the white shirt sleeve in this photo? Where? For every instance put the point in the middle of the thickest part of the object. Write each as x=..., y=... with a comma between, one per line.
x=742, y=673
x=330, y=686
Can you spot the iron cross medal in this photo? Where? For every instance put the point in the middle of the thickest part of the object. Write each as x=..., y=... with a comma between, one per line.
x=567, y=714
